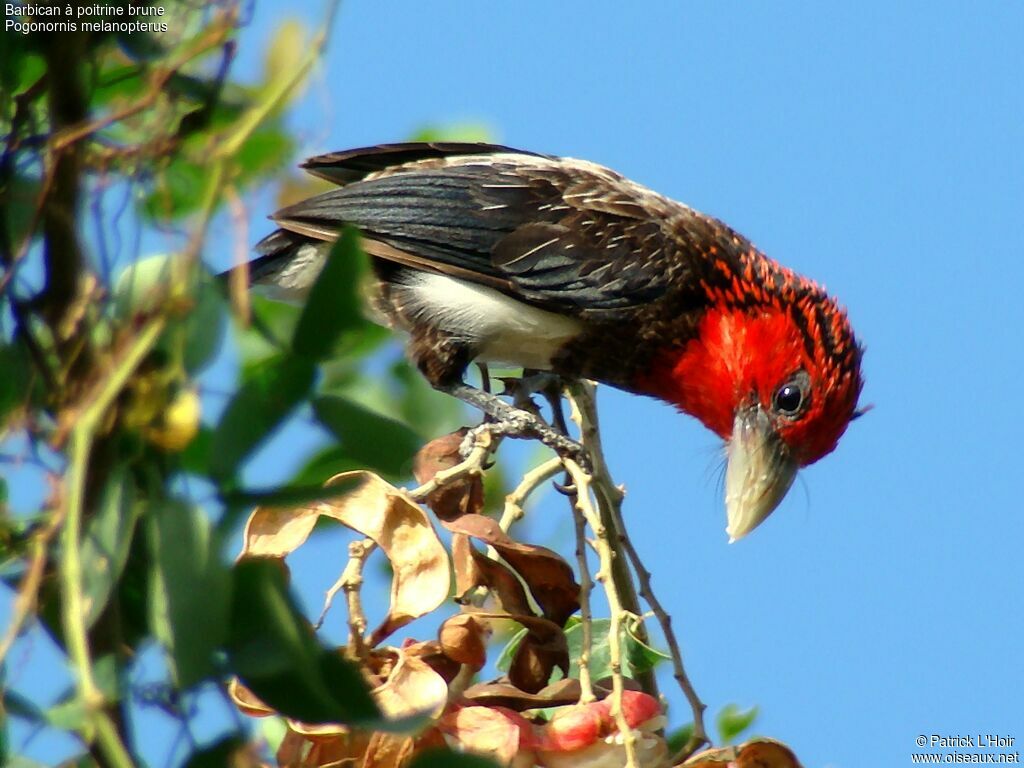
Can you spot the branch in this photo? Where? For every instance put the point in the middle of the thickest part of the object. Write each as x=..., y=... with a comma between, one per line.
x=513, y=511
x=586, y=586
x=585, y=508
x=699, y=737
x=610, y=496
x=87, y=422
x=582, y=398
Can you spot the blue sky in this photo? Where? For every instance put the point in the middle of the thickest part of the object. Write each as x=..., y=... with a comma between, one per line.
x=876, y=147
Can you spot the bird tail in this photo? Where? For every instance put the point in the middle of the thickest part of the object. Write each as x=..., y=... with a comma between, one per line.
x=288, y=262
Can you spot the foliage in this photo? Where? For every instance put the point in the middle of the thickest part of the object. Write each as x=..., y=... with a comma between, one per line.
x=113, y=142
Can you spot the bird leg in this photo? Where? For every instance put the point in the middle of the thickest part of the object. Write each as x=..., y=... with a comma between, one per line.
x=517, y=421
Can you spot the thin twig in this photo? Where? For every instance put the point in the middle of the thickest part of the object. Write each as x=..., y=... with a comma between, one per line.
x=473, y=464
x=87, y=423
x=610, y=498
x=699, y=737
x=351, y=582
x=513, y=511
x=28, y=590
x=582, y=398
x=586, y=618
x=216, y=35
x=585, y=506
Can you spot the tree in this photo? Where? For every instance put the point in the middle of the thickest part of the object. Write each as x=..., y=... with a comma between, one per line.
x=119, y=128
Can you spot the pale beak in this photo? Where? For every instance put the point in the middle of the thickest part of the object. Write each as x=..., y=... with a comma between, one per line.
x=759, y=472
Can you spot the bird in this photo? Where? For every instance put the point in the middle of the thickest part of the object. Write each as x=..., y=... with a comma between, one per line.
x=485, y=253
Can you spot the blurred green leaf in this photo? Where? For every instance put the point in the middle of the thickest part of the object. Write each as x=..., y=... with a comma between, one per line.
x=196, y=456
x=189, y=588
x=20, y=706
x=120, y=81
x=219, y=754
x=107, y=540
x=67, y=715
x=467, y=131
x=425, y=409
x=324, y=464
x=15, y=381
x=678, y=738
x=268, y=149
x=269, y=333
x=274, y=652
x=270, y=392
x=371, y=439
x=284, y=50
x=445, y=758
x=20, y=200
x=287, y=496
x=205, y=325
x=732, y=721
x=141, y=46
x=334, y=305
x=177, y=190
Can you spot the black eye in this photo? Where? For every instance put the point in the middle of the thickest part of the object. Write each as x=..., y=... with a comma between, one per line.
x=789, y=399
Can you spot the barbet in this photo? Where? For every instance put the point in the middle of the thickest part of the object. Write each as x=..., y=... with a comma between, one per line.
x=487, y=253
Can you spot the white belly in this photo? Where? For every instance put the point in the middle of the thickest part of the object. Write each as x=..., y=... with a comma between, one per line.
x=505, y=330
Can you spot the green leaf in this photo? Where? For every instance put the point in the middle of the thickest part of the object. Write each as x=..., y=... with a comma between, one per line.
x=371, y=439
x=271, y=391
x=178, y=190
x=205, y=324
x=219, y=754
x=637, y=656
x=20, y=706
x=20, y=200
x=189, y=589
x=274, y=652
x=445, y=758
x=463, y=131
x=428, y=411
x=504, y=662
x=146, y=286
x=732, y=721
x=334, y=304
x=107, y=541
x=291, y=495
x=196, y=456
x=15, y=381
x=273, y=325
x=267, y=150
x=678, y=738
x=324, y=464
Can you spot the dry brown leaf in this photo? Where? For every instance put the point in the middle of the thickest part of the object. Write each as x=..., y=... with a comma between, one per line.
x=247, y=701
x=546, y=573
x=464, y=495
x=543, y=648
x=379, y=511
x=463, y=639
x=562, y=692
x=433, y=655
x=499, y=578
x=412, y=688
x=494, y=732
x=467, y=575
x=388, y=750
x=276, y=531
x=757, y=753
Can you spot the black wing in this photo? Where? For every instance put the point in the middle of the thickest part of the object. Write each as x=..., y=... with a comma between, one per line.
x=556, y=233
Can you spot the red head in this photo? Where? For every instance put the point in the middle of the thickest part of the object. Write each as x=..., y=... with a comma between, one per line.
x=774, y=371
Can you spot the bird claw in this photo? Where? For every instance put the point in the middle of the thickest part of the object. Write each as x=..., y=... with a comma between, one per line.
x=518, y=422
